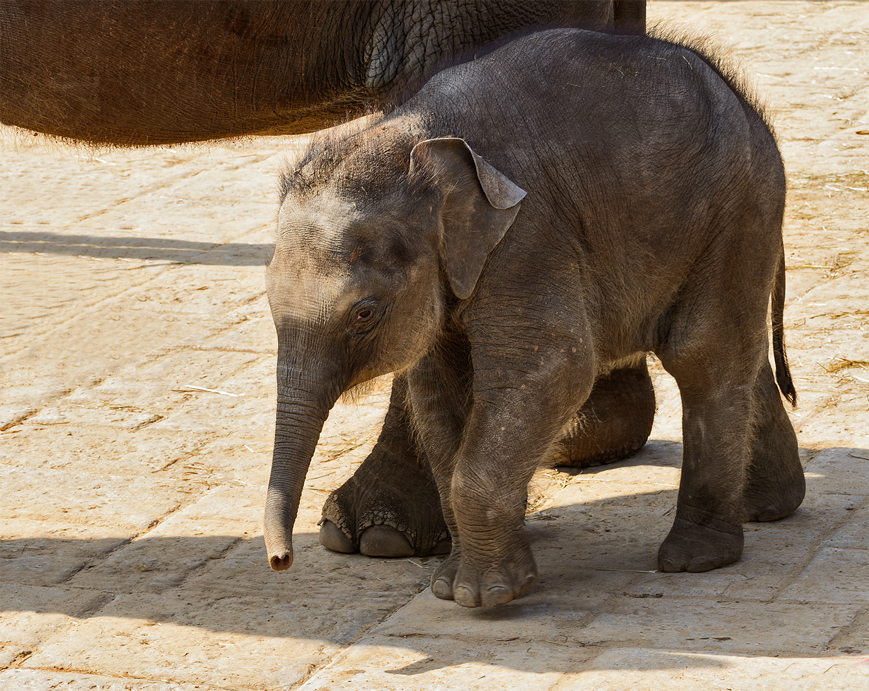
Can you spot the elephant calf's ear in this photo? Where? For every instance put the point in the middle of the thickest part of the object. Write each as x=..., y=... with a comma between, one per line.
x=479, y=205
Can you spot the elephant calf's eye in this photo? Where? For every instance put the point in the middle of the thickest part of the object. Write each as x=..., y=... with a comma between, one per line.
x=365, y=318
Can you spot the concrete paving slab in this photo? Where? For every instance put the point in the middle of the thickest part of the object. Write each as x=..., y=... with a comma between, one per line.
x=161, y=559
x=599, y=518
x=418, y=662
x=836, y=574
x=616, y=617
x=129, y=504
x=238, y=458
x=768, y=561
x=29, y=615
x=124, y=417
x=204, y=413
x=668, y=414
x=539, y=616
x=191, y=636
x=121, y=452
x=853, y=534
x=613, y=534
x=178, y=368
x=746, y=627
x=651, y=670
x=254, y=335
x=854, y=640
x=190, y=291
x=42, y=552
x=842, y=471
x=776, y=553
x=10, y=653
x=156, y=563
x=243, y=571
x=40, y=680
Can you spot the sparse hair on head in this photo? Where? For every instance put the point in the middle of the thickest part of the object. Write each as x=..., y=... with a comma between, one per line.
x=362, y=153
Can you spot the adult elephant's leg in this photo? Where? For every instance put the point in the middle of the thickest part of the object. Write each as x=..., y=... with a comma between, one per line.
x=613, y=423
x=629, y=17
x=390, y=506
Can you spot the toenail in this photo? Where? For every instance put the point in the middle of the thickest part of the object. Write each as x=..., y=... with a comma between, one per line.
x=441, y=589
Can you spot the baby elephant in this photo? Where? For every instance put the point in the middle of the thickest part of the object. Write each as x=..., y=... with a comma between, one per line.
x=526, y=223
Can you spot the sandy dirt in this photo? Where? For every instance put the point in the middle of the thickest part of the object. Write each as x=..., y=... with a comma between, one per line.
x=137, y=361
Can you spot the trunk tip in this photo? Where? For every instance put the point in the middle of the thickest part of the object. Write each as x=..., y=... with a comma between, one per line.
x=281, y=561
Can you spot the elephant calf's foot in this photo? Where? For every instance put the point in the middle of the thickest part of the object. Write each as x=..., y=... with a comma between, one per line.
x=471, y=585
x=771, y=504
x=698, y=543
x=444, y=576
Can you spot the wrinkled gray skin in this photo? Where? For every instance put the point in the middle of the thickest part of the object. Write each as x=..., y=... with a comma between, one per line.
x=132, y=72
x=135, y=72
x=527, y=224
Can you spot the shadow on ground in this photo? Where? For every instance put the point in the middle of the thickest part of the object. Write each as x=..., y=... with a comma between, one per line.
x=160, y=249
x=598, y=585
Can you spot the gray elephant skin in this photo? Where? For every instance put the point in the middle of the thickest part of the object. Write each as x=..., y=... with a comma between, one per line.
x=523, y=226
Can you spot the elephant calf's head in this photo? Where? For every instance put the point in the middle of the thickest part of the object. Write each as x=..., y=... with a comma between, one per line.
x=373, y=230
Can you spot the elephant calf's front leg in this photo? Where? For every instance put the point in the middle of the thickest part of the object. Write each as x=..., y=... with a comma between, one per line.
x=491, y=561
x=495, y=564
x=483, y=485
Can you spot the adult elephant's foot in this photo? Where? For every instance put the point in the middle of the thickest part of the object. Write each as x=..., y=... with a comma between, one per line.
x=699, y=542
x=390, y=507
x=613, y=423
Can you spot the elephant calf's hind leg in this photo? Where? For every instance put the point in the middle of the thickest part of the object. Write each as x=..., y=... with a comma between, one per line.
x=776, y=484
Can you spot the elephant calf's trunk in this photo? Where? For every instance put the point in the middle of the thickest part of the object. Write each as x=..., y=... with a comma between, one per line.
x=281, y=563
x=297, y=431
x=279, y=529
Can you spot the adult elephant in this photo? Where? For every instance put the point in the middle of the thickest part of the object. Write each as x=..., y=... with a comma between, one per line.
x=133, y=72
x=136, y=72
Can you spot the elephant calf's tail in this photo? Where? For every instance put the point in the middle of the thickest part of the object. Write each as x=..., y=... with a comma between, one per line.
x=782, y=371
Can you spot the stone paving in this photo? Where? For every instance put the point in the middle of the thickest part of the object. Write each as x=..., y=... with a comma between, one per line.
x=136, y=364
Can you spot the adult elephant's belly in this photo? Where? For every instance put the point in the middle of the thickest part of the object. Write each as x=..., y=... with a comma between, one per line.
x=162, y=71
